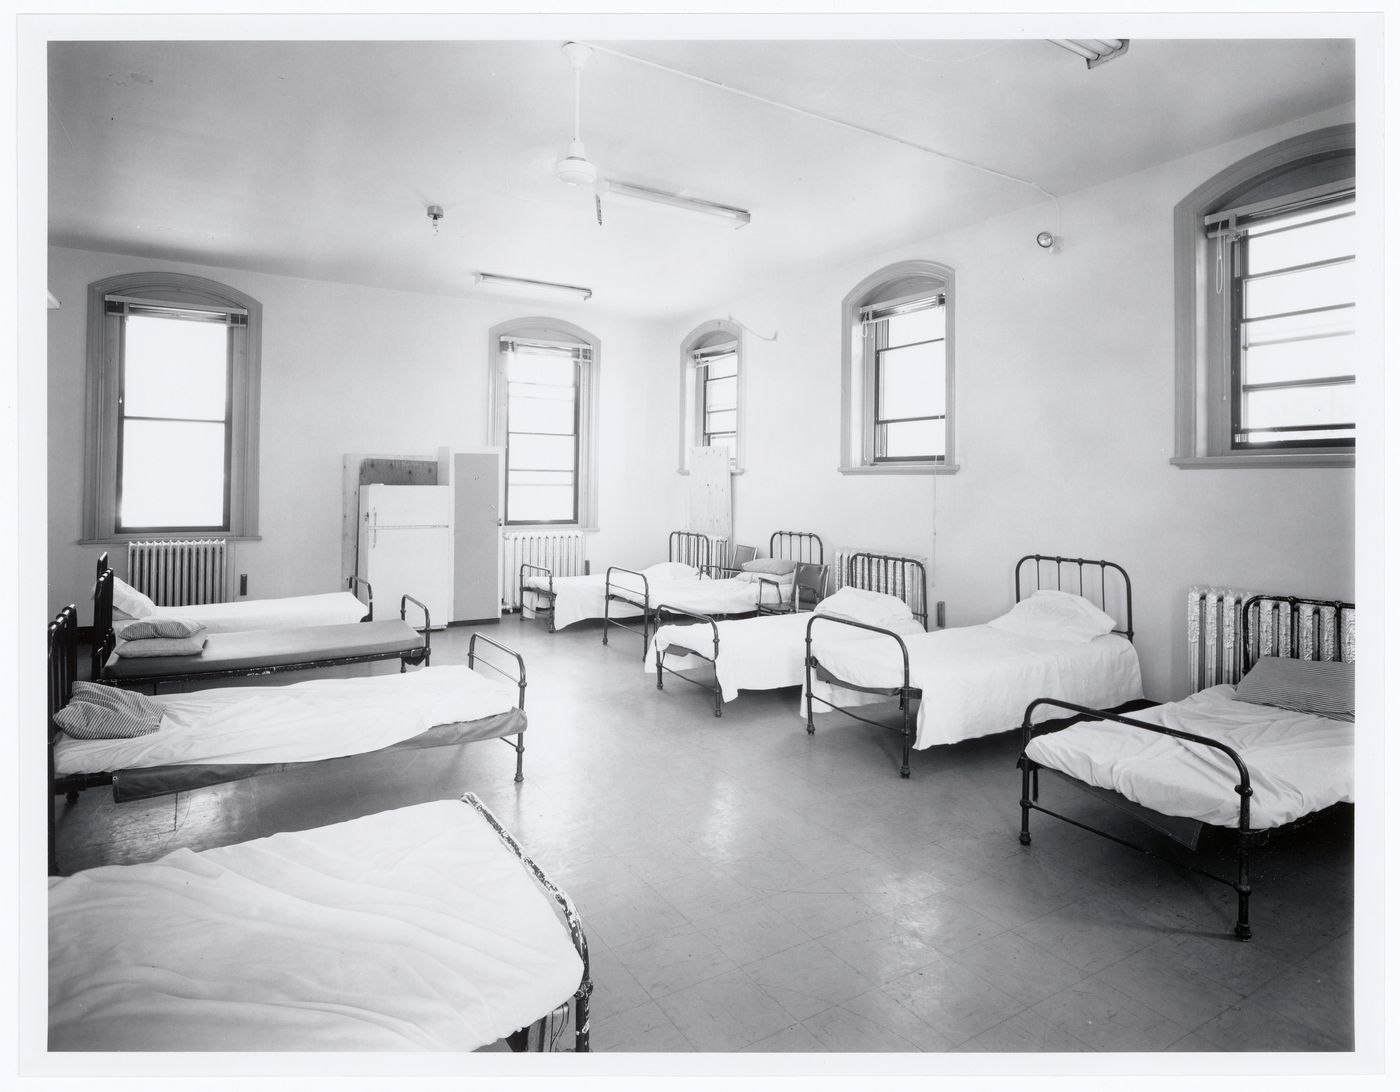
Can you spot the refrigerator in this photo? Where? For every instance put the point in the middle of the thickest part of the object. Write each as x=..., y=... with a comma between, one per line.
x=406, y=547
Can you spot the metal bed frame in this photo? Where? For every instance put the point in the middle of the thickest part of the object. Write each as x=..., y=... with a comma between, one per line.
x=687, y=547
x=1245, y=835
x=539, y=595
x=816, y=583
x=521, y=1039
x=805, y=546
x=906, y=574
x=62, y=673
x=104, y=641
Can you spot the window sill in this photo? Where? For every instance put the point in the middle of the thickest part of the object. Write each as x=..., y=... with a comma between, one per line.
x=733, y=473
x=117, y=538
x=539, y=528
x=901, y=468
x=1268, y=460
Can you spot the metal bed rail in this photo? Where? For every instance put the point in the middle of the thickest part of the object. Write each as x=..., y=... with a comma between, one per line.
x=572, y=922
x=547, y=595
x=351, y=583
x=518, y=678
x=907, y=696
x=610, y=596
x=905, y=578
x=803, y=546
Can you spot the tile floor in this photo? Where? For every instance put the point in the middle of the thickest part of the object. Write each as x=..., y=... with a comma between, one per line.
x=747, y=887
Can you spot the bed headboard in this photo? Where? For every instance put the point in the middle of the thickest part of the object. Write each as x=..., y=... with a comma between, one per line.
x=63, y=669
x=1298, y=629
x=103, y=638
x=690, y=547
x=903, y=577
x=800, y=546
x=1103, y=583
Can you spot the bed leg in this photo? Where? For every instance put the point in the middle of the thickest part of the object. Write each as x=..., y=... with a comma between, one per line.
x=1242, y=889
x=904, y=763
x=658, y=671
x=70, y=798
x=718, y=710
x=581, y=1020
x=1025, y=800
x=519, y=757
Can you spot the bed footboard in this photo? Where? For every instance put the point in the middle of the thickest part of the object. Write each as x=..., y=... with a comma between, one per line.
x=566, y=908
x=351, y=585
x=610, y=595
x=907, y=696
x=1245, y=836
x=700, y=620
x=539, y=594
x=518, y=678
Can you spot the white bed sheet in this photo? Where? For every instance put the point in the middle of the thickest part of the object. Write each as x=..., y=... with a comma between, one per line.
x=302, y=722
x=761, y=653
x=331, y=608
x=1298, y=763
x=409, y=929
x=977, y=680
x=577, y=598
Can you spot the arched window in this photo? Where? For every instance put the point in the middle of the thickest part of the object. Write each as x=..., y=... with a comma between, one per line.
x=172, y=408
x=1266, y=309
x=897, y=371
x=543, y=398
x=712, y=391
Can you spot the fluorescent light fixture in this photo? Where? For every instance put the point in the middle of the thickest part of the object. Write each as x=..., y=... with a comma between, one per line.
x=609, y=190
x=534, y=288
x=1093, y=50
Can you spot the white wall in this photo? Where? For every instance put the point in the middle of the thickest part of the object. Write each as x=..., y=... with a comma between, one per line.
x=352, y=369
x=1065, y=402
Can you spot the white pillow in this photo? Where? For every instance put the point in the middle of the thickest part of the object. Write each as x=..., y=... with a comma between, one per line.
x=1056, y=616
x=671, y=570
x=871, y=607
x=127, y=602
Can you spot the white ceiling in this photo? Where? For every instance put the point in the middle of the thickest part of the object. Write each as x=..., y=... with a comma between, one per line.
x=318, y=159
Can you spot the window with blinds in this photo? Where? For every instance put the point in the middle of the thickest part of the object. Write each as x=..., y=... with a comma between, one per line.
x=174, y=420
x=906, y=354
x=1288, y=267
x=542, y=430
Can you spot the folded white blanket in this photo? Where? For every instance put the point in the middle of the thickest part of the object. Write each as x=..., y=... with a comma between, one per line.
x=303, y=722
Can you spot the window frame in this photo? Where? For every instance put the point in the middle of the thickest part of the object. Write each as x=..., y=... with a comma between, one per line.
x=1206, y=348
x=101, y=468
x=908, y=280
x=565, y=335
x=707, y=337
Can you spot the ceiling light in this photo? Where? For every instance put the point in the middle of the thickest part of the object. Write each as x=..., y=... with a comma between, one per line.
x=1093, y=50
x=573, y=167
x=533, y=288
x=622, y=191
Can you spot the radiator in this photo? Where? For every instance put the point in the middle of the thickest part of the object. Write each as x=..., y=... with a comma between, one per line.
x=1214, y=635
x=179, y=572
x=561, y=552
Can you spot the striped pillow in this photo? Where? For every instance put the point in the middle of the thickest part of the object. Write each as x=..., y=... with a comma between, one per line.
x=156, y=625
x=107, y=712
x=1326, y=688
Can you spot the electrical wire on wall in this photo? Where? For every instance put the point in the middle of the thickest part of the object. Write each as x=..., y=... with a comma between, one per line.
x=750, y=330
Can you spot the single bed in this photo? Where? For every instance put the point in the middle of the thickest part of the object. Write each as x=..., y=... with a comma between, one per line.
x=422, y=928
x=1255, y=757
x=324, y=609
x=768, y=652
x=213, y=736
x=564, y=600
x=255, y=651
x=956, y=684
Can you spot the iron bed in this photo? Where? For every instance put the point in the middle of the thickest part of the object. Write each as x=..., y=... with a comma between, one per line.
x=1149, y=765
x=347, y=700
x=329, y=608
x=243, y=947
x=780, y=630
x=564, y=600
x=257, y=652
x=981, y=675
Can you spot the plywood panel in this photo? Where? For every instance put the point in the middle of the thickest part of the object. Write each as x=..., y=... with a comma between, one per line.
x=708, y=508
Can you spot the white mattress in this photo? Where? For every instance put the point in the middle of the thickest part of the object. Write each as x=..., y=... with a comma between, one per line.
x=977, y=680
x=410, y=929
x=332, y=608
x=1298, y=763
x=302, y=722
x=577, y=598
x=761, y=653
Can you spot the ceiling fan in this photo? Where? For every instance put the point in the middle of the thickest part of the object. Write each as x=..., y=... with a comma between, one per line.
x=574, y=168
